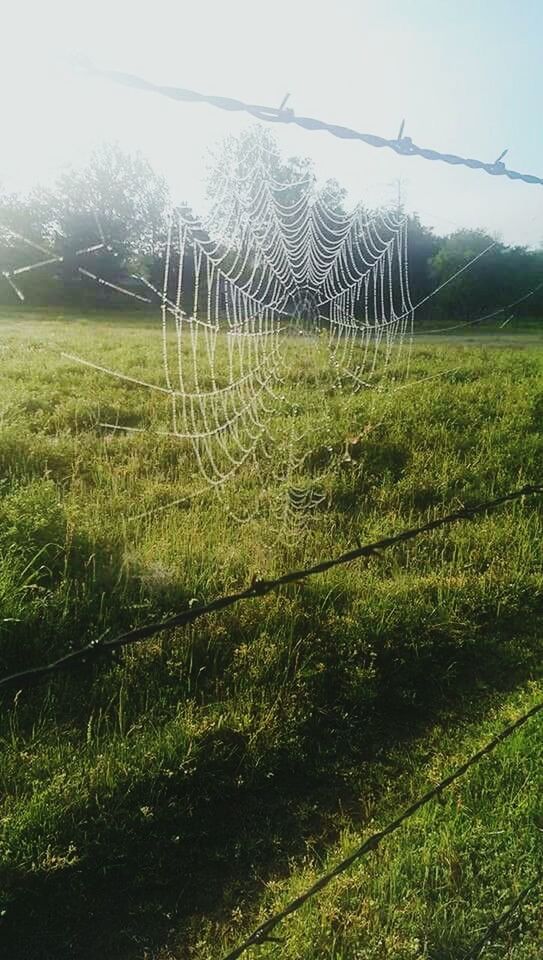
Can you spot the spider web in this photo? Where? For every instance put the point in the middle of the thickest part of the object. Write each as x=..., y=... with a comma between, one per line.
x=270, y=284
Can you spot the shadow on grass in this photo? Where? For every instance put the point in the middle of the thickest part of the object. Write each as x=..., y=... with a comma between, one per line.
x=147, y=881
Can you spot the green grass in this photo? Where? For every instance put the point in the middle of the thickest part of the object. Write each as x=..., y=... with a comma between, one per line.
x=142, y=803
x=432, y=890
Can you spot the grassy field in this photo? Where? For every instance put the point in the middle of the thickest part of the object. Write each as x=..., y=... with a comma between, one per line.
x=159, y=806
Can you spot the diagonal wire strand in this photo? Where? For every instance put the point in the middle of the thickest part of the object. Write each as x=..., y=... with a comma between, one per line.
x=261, y=933
x=496, y=924
x=401, y=145
x=259, y=587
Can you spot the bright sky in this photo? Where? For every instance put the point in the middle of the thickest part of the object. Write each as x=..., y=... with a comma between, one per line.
x=466, y=75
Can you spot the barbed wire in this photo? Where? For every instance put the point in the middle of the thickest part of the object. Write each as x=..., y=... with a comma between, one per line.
x=259, y=587
x=261, y=934
x=493, y=928
x=401, y=144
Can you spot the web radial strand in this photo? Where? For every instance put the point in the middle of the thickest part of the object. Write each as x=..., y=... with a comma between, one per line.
x=272, y=260
x=223, y=345
x=290, y=260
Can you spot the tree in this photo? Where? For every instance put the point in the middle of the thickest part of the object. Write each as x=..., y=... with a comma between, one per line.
x=235, y=160
x=334, y=196
x=501, y=276
x=20, y=222
x=422, y=246
x=117, y=200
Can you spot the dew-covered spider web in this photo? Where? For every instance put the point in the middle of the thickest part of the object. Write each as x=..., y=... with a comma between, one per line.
x=276, y=291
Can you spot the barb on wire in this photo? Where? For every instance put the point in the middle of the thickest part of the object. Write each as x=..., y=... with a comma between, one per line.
x=501, y=156
x=402, y=145
x=95, y=649
x=478, y=947
x=261, y=933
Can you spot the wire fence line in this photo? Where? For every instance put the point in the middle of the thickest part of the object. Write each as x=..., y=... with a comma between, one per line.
x=261, y=934
x=401, y=144
x=476, y=950
x=95, y=649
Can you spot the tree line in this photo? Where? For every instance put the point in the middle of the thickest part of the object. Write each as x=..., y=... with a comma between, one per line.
x=119, y=200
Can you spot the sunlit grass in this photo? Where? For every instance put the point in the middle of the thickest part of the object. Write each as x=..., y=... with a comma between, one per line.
x=140, y=770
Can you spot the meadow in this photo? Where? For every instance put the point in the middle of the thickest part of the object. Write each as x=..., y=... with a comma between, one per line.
x=159, y=805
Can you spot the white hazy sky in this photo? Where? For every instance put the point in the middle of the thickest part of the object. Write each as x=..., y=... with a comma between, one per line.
x=465, y=74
